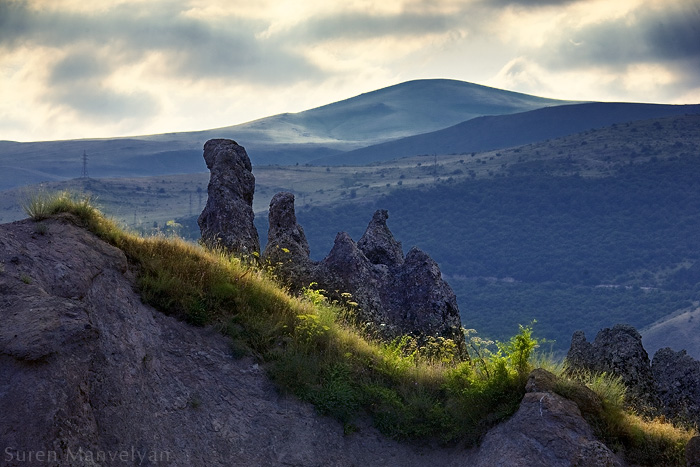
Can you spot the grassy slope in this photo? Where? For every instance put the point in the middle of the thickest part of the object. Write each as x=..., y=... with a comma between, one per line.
x=310, y=349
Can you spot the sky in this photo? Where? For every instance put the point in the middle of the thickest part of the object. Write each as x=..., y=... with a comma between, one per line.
x=82, y=69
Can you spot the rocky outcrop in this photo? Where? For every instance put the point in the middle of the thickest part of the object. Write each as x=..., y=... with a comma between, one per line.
x=619, y=351
x=287, y=250
x=547, y=430
x=677, y=377
x=378, y=243
x=669, y=385
x=395, y=295
x=227, y=218
x=90, y=374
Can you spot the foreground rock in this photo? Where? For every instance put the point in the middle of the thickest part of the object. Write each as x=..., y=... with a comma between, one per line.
x=88, y=370
x=227, y=218
x=547, y=430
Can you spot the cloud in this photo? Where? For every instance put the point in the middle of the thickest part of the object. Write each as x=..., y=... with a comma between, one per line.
x=192, y=47
x=103, y=103
x=528, y=3
x=357, y=25
x=648, y=34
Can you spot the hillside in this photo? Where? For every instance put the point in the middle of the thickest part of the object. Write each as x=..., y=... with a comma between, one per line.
x=94, y=351
x=578, y=233
x=503, y=131
x=401, y=110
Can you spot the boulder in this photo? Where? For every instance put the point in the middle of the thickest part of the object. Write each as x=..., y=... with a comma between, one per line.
x=547, y=430
x=227, y=218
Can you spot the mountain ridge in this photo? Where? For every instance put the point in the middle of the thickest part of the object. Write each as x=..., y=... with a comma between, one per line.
x=496, y=132
x=286, y=139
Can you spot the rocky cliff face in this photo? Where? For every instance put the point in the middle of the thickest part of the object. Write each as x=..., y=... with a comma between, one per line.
x=619, y=351
x=677, y=377
x=287, y=250
x=395, y=295
x=227, y=219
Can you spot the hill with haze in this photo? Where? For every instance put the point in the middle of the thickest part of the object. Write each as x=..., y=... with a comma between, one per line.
x=501, y=131
x=394, y=112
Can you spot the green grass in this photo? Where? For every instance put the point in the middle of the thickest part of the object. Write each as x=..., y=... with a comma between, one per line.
x=640, y=440
x=310, y=349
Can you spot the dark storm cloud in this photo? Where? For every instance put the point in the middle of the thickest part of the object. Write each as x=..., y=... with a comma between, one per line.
x=193, y=47
x=78, y=67
x=102, y=104
x=648, y=35
x=94, y=46
x=527, y=3
x=363, y=26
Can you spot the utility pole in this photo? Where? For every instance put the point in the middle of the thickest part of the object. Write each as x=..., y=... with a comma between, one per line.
x=435, y=167
x=85, y=170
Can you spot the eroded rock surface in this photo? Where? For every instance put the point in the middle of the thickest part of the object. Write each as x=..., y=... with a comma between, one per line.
x=677, y=377
x=227, y=218
x=287, y=249
x=395, y=295
x=88, y=368
x=547, y=430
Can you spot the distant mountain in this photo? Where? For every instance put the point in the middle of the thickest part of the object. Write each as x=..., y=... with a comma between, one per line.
x=496, y=132
x=394, y=112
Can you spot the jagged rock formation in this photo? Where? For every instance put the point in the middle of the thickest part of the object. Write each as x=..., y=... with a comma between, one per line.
x=227, y=219
x=547, y=430
x=378, y=243
x=669, y=385
x=618, y=351
x=287, y=249
x=395, y=295
x=677, y=378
